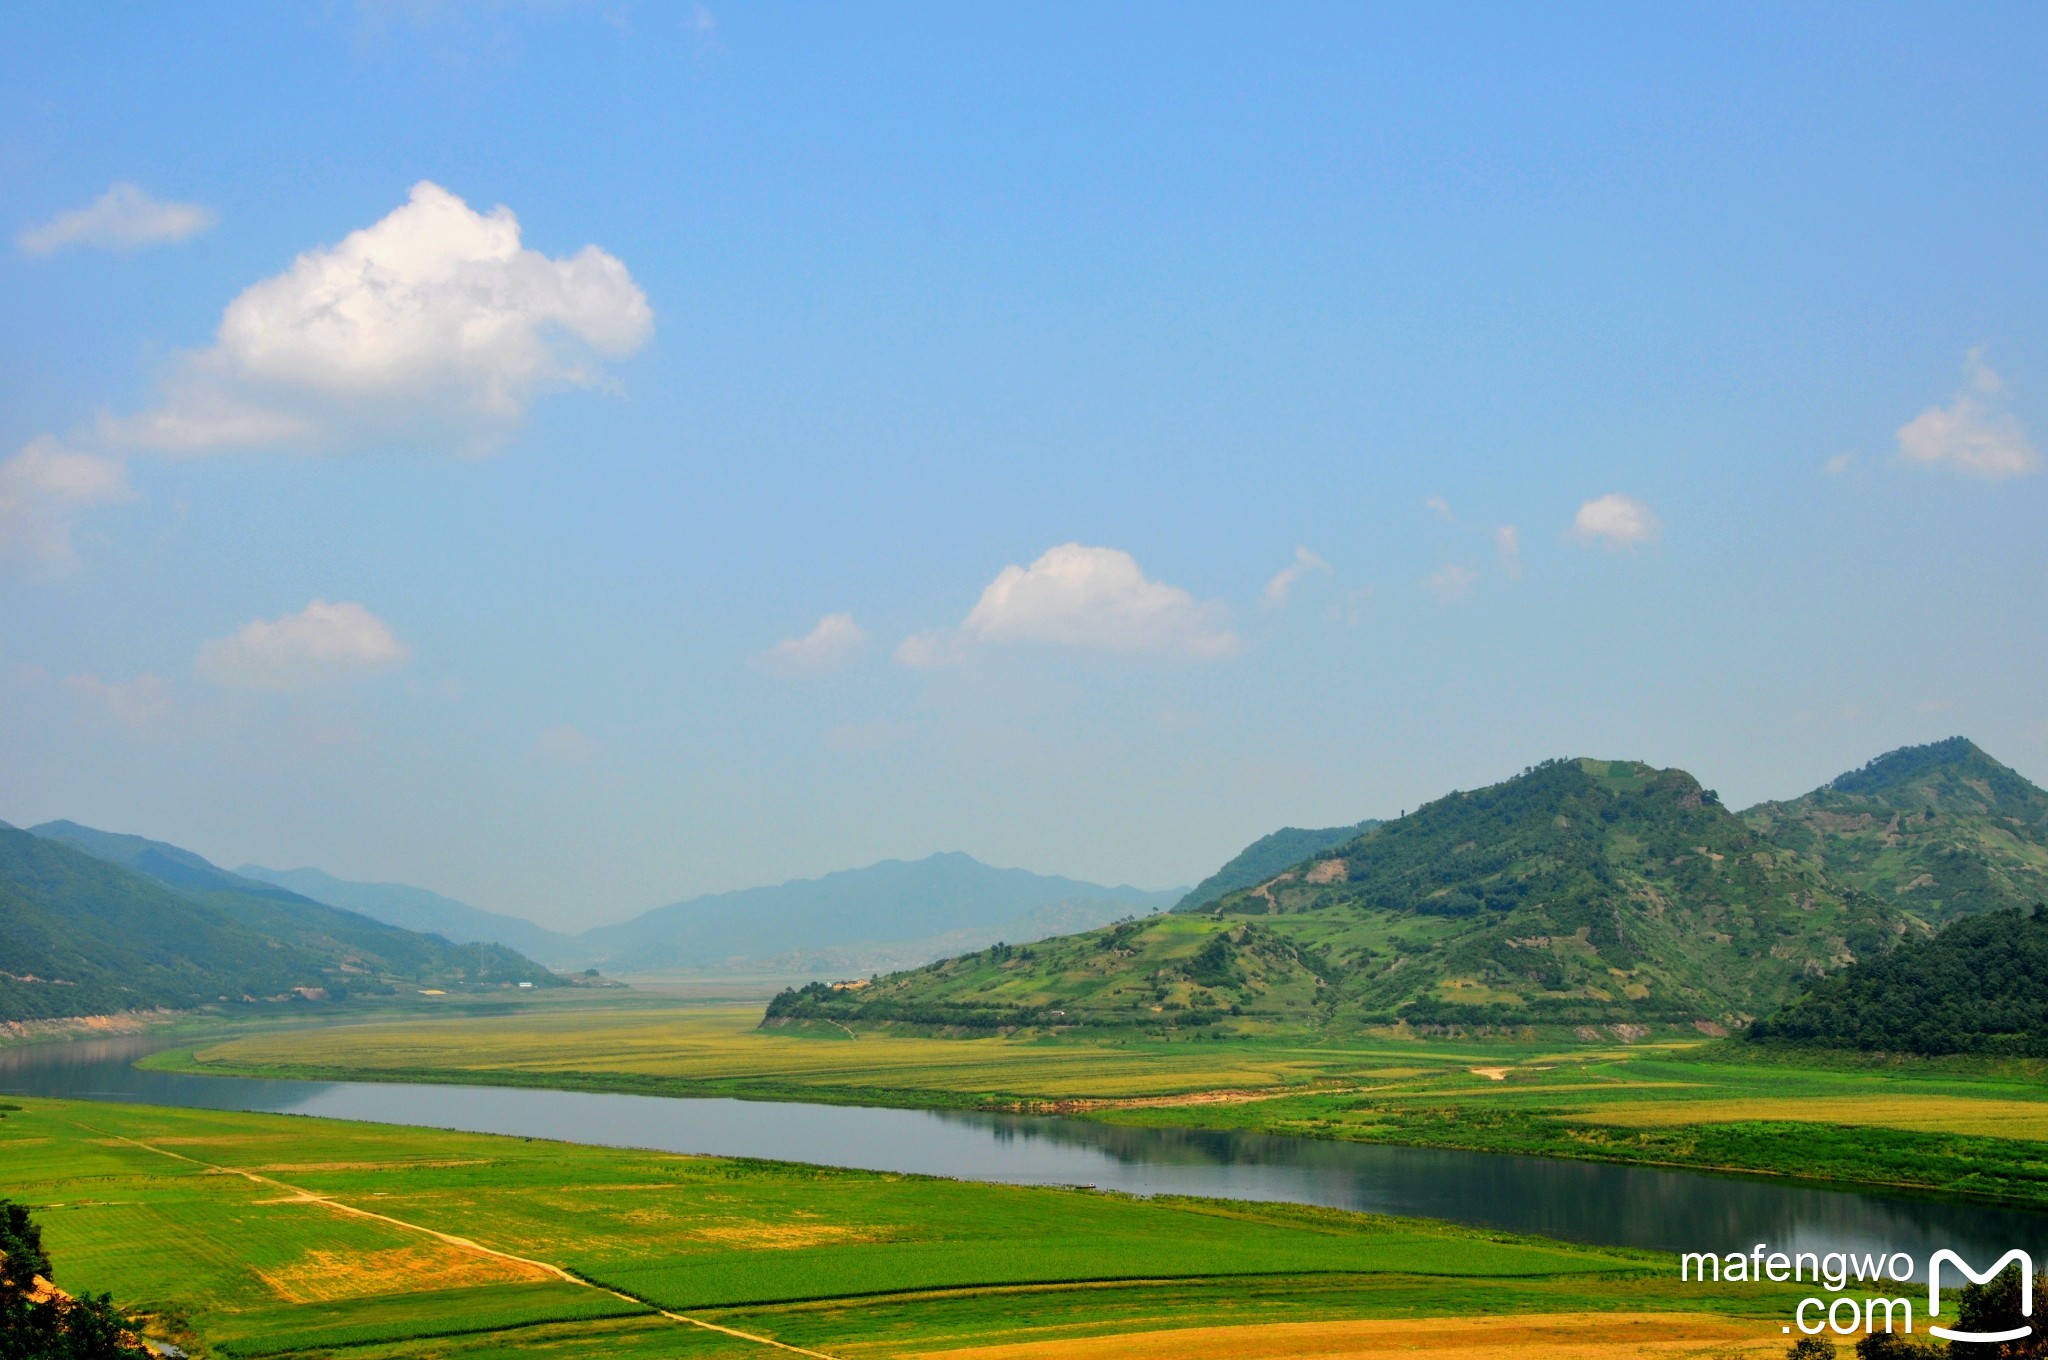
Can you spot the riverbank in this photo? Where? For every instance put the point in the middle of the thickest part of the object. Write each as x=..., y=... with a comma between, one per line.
x=251, y=1234
x=1969, y=1130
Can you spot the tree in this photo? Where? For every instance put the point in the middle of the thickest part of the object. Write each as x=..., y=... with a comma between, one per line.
x=53, y=1327
x=1994, y=1306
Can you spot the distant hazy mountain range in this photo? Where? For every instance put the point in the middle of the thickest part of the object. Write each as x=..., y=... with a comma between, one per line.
x=895, y=914
x=418, y=909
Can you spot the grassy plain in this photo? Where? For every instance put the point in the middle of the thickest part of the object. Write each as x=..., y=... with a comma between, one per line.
x=1959, y=1127
x=276, y=1235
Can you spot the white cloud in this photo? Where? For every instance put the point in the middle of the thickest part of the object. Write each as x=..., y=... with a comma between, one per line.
x=1078, y=596
x=123, y=218
x=1284, y=582
x=1616, y=522
x=565, y=745
x=1451, y=583
x=1507, y=543
x=1974, y=433
x=43, y=490
x=133, y=703
x=322, y=641
x=1441, y=508
x=1837, y=465
x=933, y=647
x=433, y=326
x=835, y=641
x=702, y=26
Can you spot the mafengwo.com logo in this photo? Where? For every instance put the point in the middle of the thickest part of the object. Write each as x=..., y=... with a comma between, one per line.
x=1864, y=1288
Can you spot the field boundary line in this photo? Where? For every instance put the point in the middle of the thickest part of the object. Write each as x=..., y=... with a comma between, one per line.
x=302, y=1195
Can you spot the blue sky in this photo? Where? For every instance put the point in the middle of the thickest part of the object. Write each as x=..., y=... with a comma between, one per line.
x=875, y=430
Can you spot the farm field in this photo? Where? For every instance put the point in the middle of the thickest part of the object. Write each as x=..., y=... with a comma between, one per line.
x=1959, y=1127
x=252, y=1235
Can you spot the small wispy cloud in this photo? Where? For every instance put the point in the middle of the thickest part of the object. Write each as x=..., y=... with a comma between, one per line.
x=1507, y=545
x=1837, y=465
x=1284, y=581
x=1615, y=522
x=134, y=703
x=1975, y=433
x=43, y=490
x=1507, y=539
x=123, y=218
x=833, y=643
x=1082, y=597
x=563, y=745
x=321, y=642
x=1450, y=583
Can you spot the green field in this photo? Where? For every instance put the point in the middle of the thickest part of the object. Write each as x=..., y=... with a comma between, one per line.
x=1971, y=1128
x=268, y=1235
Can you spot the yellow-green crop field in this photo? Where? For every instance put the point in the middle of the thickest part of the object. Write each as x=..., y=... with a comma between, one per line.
x=1967, y=1129
x=246, y=1234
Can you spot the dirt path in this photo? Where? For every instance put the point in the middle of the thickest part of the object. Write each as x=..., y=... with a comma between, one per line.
x=301, y=1195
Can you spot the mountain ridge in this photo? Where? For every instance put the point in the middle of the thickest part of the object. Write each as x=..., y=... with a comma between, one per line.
x=710, y=932
x=1266, y=856
x=1581, y=891
x=1942, y=829
x=421, y=909
x=85, y=934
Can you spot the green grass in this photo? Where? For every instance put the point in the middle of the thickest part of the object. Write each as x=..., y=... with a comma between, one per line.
x=1968, y=1127
x=232, y=1229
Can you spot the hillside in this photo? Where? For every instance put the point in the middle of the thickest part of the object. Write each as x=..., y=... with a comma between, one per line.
x=134, y=921
x=1979, y=986
x=1582, y=891
x=1265, y=857
x=1943, y=830
x=884, y=915
x=418, y=909
x=79, y=936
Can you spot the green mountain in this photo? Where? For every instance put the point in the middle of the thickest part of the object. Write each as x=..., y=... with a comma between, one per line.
x=1265, y=857
x=1581, y=891
x=92, y=922
x=1980, y=986
x=1941, y=830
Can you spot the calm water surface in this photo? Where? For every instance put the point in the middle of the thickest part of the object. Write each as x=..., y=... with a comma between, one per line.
x=1580, y=1201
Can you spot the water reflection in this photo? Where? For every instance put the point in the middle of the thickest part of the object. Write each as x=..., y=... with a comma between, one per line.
x=1578, y=1201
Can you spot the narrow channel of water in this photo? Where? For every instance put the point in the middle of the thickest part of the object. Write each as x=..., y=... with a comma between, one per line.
x=1578, y=1201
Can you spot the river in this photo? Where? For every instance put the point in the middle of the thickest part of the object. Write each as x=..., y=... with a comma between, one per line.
x=1578, y=1201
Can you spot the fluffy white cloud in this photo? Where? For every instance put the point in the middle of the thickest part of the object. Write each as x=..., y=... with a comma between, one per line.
x=122, y=218
x=1616, y=522
x=1078, y=596
x=433, y=326
x=1974, y=433
x=43, y=490
x=134, y=703
x=1283, y=583
x=1837, y=465
x=1451, y=583
x=835, y=641
x=322, y=641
